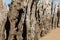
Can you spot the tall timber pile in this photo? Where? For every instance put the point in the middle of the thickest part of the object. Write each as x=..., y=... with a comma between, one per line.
x=29, y=19
x=3, y=18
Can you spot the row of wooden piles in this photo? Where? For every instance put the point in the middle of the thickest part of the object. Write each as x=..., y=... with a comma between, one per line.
x=31, y=20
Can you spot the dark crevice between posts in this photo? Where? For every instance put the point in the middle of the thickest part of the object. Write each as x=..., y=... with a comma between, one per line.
x=31, y=5
x=52, y=23
x=24, y=35
x=58, y=15
x=19, y=18
x=36, y=12
x=15, y=37
x=7, y=27
x=39, y=17
x=17, y=23
x=58, y=22
x=41, y=34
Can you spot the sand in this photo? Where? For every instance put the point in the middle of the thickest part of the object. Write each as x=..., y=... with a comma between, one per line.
x=53, y=35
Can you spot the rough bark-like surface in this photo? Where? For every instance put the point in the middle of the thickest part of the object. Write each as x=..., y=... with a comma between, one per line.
x=16, y=19
x=28, y=19
x=37, y=18
x=55, y=16
x=3, y=17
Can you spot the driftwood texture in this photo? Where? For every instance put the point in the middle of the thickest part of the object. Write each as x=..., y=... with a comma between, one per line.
x=28, y=19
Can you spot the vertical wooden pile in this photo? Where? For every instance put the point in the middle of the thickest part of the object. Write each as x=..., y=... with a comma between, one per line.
x=3, y=17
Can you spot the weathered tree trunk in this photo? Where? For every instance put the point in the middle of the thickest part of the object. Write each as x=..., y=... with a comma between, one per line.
x=3, y=17
x=28, y=19
x=14, y=17
x=17, y=17
x=55, y=18
x=33, y=20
